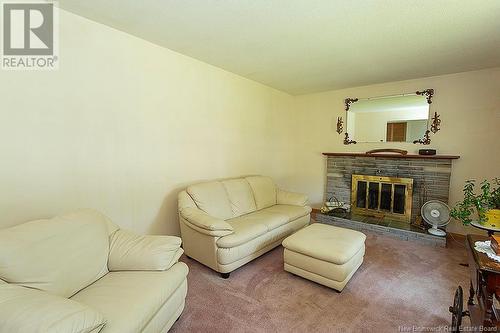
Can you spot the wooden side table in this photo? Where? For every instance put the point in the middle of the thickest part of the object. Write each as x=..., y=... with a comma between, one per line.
x=484, y=286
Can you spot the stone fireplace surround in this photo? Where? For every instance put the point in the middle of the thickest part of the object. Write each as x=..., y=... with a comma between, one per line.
x=430, y=174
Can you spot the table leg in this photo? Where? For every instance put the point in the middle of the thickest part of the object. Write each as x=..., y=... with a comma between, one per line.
x=471, y=295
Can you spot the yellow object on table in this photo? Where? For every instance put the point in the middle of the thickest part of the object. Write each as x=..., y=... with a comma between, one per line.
x=493, y=218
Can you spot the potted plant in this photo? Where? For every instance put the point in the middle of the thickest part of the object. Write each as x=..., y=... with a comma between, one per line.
x=483, y=206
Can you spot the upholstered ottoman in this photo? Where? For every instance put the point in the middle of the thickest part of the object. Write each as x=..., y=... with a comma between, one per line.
x=324, y=254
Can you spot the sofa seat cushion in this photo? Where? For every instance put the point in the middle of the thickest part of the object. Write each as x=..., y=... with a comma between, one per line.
x=326, y=242
x=270, y=219
x=228, y=256
x=61, y=255
x=129, y=300
x=291, y=212
x=245, y=229
x=27, y=310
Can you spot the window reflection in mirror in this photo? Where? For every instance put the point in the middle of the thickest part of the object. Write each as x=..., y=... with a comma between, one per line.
x=388, y=119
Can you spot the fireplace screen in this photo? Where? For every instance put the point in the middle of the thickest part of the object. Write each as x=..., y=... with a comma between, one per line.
x=382, y=196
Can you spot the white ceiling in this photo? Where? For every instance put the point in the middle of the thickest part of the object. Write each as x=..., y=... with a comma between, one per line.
x=303, y=46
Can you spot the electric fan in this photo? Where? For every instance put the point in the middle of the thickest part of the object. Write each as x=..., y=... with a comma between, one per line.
x=437, y=214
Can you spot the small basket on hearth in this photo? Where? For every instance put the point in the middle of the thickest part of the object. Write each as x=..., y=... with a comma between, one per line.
x=335, y=207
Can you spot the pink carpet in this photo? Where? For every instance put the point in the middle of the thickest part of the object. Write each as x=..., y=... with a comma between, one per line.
x=400, y=284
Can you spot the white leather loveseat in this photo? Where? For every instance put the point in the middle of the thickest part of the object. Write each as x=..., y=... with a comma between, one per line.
x=225, y=224
x=80, y=273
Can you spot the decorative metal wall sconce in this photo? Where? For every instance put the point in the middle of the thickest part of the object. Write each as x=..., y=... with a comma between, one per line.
x=349, y=101
x=340, y=122
x=436, y=123
x=426, y=140
x=348, y=141
x=340, y=125
x=428, y=93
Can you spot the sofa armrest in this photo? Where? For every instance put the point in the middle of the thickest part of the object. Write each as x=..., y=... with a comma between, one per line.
x=26, y=310
x=291, y=198
x=203, y=221
x=132, y=252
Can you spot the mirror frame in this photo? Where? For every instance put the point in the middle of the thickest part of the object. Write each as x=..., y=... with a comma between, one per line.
x=433, y=123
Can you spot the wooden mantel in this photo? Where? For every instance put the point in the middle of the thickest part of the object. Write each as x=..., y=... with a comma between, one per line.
x=432, y=157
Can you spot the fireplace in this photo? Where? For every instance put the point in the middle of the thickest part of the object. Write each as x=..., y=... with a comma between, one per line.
x=385, y=192
x=384, y=197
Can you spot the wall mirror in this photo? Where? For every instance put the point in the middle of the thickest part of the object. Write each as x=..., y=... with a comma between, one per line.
x=396, y=118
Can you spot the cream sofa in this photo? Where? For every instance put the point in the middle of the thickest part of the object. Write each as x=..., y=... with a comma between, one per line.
x=225, y=224
x=80, y=273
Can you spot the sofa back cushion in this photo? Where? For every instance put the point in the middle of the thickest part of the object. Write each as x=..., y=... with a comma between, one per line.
x=211, y=197
x=61, y=255
x=240, y=196
x=184, y=201
x=264, y=191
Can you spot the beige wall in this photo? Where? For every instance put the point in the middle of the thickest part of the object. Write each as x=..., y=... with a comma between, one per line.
x=124, y=125
x=469, y=104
